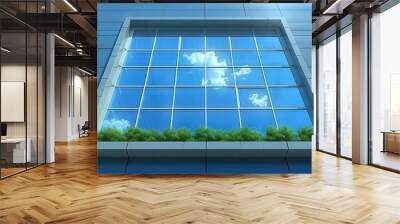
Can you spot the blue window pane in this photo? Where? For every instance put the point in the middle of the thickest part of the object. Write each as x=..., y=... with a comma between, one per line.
x=155, y=119
x=189, y=98
x=142, y=43
x=189, y=119
x=218, y=58
x=245, y=58
x=243, y=42
x=269, y=43
x=220, y=77
x=273, y=58
x=257, y=119
x=279, y=76
x=158, y=98
x=221, y=98
x=223, y=119
x=138, y=58
x=217, y=42
x=126, y=98
x=132, y=76
x=286, y=97
x=120, y=119
x=249, y=76
x=294, y=119
x=254, y=98
x=192, y=42
x=164, y=58
x=190, y=76
x=166, y=41
x=161, y=76
x=192, y=58
x=200, y=58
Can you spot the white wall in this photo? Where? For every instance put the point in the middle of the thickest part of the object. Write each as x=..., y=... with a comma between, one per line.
x=71, y=102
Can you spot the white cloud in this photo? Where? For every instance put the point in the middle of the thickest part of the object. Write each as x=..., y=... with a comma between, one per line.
x=258, y=101
x=215, y=76
x=209, y=57
x=243, y=71
x=120, y=124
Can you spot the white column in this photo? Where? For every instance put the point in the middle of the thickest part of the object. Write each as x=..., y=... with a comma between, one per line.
x=360, y=90
x=50, y=100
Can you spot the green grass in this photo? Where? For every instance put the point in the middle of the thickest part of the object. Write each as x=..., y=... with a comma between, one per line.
x=205, y=134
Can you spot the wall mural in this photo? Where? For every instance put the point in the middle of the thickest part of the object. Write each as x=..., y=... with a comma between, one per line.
x=204, y=88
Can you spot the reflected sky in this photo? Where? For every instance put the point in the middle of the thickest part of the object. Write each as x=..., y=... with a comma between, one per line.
x=259, y=100
x=219, y=75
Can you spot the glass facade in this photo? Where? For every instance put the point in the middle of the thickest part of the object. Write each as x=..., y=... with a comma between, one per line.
x=385, y=90
x=223, y=79
x=327, y=95
x=22, y=77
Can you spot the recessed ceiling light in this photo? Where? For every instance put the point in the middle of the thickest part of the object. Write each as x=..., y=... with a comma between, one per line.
x=64, y=40
x=84, y=71
x=70, y=5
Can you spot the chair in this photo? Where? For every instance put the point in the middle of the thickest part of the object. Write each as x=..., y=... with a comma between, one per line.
x=84, y=129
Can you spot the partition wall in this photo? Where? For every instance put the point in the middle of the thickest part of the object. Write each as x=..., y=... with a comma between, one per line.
x=22, y=76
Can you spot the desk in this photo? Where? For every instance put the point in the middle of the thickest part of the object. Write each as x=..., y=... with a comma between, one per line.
x=13, y=150
x=391, y=141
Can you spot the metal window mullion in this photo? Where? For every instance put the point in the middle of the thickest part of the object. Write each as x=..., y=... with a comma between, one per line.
x=265, y=81
x=205, y=84
x=176, y=77
x=234, y=78
x=145, y=81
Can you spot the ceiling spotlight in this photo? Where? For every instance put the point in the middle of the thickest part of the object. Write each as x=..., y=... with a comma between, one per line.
x=70, y=5
x=5, y=50
x=84, y=71
x=65, y=41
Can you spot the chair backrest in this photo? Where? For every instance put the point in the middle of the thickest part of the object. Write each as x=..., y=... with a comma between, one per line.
x=86, y=124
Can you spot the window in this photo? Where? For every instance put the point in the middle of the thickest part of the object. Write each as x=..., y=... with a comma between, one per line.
x=385, y=88
x=189, y=98
x=249, y=76
x=120, y=119
x=346, y=75
x=155, y=119
x=126, y=98
x=327, y=95
x=138, y=58
x=190, y=76
x=161, y=76
x=274, y=58
x=257, y=119
x=157, y=98
x=189, y=119
x=280, y=76
x=254, y=98
x=209, y=78
x=223, y=119
x=132, y=76
x=221, y=98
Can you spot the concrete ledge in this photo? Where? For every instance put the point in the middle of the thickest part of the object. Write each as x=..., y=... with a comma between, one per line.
x=246, y=149
x=195, y=157
x=111, y=149
x=166, y=149
x=299, y=149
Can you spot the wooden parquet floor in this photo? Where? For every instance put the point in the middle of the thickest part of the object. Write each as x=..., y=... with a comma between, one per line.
x=70, y=191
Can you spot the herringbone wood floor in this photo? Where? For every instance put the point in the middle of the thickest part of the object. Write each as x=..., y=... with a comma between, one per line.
x=70, y=191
